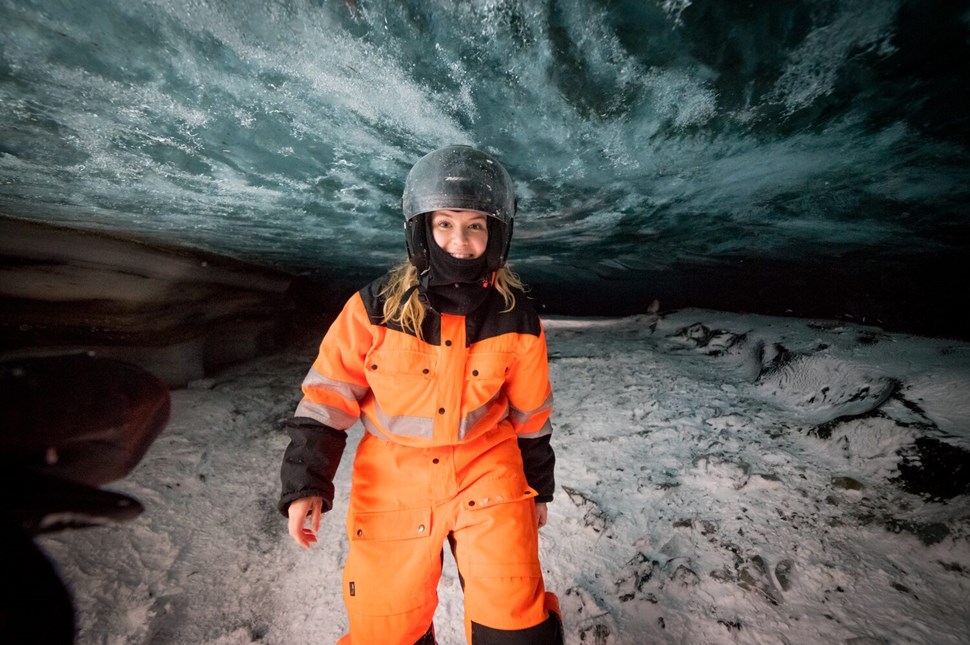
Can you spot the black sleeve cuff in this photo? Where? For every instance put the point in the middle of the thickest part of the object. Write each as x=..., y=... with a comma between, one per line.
x=539, y=463
x=310, y=462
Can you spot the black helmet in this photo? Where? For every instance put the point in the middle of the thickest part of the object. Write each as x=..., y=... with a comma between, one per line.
x=459, y=177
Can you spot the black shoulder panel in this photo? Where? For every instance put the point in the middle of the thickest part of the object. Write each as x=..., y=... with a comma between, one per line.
x=490, y=320
x=374, y=305
x=373, y=302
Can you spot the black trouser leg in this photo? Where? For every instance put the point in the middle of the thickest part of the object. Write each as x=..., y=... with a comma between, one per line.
x=548, y=632
x=428, y=638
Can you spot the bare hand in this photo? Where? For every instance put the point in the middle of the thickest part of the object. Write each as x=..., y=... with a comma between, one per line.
x=542, y=514
x=299, y=512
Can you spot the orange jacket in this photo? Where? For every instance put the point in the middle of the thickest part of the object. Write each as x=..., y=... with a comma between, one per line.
x=469, y=375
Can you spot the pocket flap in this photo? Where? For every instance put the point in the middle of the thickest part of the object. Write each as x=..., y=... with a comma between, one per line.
x=400, y=363
x=500, y=491
x=487, y=366
x=406, y=524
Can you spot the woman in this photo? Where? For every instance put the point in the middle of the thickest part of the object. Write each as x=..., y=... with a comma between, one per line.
x=444, y=362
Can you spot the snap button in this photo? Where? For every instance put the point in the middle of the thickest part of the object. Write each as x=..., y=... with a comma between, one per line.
x=374, y=366
x=448, y=343
x=360, y=532
x=474, y=372
x=471, y=503
x=435, y=460
x=441, y=410
x=421, y=528
x=425, y=370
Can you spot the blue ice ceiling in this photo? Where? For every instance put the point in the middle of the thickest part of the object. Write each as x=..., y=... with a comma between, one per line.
x=647, y=138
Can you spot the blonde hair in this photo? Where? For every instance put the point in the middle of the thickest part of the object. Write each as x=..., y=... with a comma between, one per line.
x=410, y=315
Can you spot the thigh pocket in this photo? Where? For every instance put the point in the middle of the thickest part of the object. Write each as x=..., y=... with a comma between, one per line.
x=503, y=533
x=390, y=568
x=499, y=558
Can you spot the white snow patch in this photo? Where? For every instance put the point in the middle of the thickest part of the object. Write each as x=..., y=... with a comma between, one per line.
x=691, y=507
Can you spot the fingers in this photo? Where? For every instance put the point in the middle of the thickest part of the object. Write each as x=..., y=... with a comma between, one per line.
x=301, y=510
x=297, y=515
x=542, y=514
x=308, y=538
x=316, y=512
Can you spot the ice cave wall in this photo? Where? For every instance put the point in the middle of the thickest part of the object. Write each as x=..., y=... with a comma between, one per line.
x=178, y=314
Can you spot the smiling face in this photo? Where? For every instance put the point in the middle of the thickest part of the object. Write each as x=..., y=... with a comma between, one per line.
x=462, y=234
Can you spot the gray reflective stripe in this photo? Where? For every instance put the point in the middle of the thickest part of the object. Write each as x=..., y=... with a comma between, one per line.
x=371, y=428
x=519, y=417
x=325, y=414
x=543, y=431
x=348, y=391
x=476, y=415
x=421, y=427
x=403, y=426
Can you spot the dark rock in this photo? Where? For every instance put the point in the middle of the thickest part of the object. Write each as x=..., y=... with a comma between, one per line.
x=783, y=574
x=847, y=483
x=934, y=469
x=928, y=534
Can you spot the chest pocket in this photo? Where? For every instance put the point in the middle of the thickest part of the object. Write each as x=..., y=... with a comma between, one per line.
x=402, y=380
x=485, y=374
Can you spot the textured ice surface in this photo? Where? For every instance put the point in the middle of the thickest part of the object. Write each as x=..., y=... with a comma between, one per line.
x=657, y=132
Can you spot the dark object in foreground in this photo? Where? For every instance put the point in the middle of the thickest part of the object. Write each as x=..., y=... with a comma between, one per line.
x=938, y=470
x=67, y=425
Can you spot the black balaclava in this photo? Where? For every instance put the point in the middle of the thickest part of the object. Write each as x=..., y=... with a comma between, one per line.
x=454, y=285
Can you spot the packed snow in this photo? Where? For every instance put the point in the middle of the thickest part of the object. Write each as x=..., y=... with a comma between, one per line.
x=722, y=478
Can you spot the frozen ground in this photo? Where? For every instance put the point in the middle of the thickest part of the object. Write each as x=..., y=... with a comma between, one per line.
x=721, y=479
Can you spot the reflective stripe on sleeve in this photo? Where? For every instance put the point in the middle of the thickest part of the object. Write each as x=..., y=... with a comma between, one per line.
x=315, y=380
x=331, y=402
x=325, y=414
x=521, y=417
x=546, y=429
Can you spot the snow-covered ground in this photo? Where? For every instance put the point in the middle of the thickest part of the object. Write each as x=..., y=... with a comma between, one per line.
x=721, y=478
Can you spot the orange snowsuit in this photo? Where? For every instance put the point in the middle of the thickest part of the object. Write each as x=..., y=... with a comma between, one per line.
x=456, y=429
